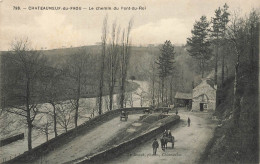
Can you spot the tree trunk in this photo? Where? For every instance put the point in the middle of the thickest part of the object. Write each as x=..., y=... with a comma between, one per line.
x=29, y=135
x=226, y=72
x=54, y=119
x=77, y=100
x=100, y=94
x=28, y=111
x=76, y=113
x=223, y=70
x=162, y=89
x=171, y=98
x=202, y=69
x=159, y=93
x=153, y=91
x=216, y=67
x=122, y=96
x=236, y=104
x=110, y=100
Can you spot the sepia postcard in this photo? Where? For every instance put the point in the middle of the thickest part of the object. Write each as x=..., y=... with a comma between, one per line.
x=129, y=81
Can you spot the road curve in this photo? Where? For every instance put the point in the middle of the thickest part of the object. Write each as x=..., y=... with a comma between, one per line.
x=190, y=143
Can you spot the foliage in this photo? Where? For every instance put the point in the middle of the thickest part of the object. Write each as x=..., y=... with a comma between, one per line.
x=199, y=44
x=166, y=59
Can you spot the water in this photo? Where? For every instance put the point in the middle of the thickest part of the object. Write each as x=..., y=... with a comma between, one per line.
x=137, y=98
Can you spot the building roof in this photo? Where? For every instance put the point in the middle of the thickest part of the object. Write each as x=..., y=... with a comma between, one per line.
x=181, y=95
x=210, y=82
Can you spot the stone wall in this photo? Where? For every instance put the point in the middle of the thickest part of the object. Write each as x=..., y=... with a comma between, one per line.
x=127, y=145
x=64, y=138
x=11, y=139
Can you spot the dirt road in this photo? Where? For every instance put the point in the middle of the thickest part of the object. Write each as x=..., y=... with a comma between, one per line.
x=190, y=143
x=88, y=143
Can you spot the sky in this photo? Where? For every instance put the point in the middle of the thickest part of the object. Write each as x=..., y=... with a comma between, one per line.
x=161, y=20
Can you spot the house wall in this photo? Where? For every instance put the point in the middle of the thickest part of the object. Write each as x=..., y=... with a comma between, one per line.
x=197, y=94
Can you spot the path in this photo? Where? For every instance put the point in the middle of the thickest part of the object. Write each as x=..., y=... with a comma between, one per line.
x=85, y=144
x=190, y=143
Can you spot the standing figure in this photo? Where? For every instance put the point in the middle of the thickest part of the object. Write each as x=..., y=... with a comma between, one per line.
x=165, y=133
x=155, y=146
x=176, y=112
x=169, y=134
x=188, y=122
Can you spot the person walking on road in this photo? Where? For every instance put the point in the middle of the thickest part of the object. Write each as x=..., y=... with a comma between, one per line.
x=188, y=122
x=155, y=146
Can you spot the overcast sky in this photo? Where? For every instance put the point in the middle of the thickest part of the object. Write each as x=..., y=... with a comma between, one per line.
x=162, y=20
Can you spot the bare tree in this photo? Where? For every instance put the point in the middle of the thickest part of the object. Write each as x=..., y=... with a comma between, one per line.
x=54, y=89
x=64, y=115
x=25, y=85
x=44, y=124
x=142, y=96
x=77, y=66
x=236, y=35
x=113, y=61
x=124, y=61
x=102, y=69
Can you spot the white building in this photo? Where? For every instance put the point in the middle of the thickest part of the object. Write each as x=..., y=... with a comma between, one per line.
x=204, y=96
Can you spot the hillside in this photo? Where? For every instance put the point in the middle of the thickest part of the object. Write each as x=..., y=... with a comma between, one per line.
x=231, y=145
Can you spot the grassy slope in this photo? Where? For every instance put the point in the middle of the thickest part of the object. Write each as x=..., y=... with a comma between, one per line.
x=230, y=145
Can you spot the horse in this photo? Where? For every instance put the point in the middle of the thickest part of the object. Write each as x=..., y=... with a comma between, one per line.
x=165, y=140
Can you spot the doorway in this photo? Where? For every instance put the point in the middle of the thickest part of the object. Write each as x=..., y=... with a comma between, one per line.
x=201, y=107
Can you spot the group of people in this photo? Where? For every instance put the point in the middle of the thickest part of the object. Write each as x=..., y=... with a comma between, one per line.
x=155, y=145
x=167, y=133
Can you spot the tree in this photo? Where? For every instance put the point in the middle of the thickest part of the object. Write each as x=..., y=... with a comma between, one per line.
x=64, y=115
x=165, y=62
x=216, y=33
x=24, y=88
x=44, y=124
x=243, y=35
x=198, y=44
x=225, y=20
x=102, y=69
x=237, y=37
x=142, y=96
x=124, y=61
x=153, y=67
x=54, y=88
x=113, y=59
x=253, y=29
x=77, y=68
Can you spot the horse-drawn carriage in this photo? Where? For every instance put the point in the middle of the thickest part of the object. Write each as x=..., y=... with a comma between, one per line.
x=165, y=140
x=166, y=110
x=147, y=110
x=123, y=115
